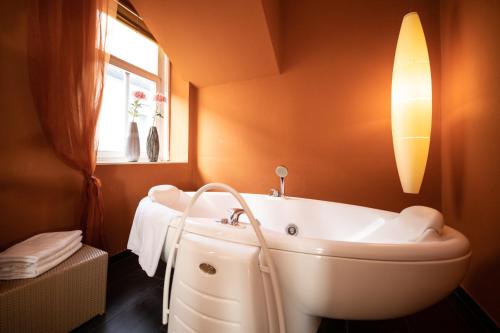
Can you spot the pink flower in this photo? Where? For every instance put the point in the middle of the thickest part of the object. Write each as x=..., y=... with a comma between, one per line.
x=159, y=98
x=139, y=94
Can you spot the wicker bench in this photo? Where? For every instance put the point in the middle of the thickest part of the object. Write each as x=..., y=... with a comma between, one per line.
x=59, y=300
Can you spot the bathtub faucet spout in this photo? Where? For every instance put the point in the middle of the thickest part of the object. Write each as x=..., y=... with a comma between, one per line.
x=234, y=215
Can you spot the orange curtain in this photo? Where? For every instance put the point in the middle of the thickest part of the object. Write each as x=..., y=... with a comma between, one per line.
x=66, y=62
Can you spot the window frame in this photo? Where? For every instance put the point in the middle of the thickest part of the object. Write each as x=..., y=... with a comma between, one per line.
x=162, y=80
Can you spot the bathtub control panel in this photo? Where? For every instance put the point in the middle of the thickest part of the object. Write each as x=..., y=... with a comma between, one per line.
x=292, y=229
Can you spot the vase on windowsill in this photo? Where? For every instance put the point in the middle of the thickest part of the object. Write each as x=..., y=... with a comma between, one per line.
x=153, y=144
x=133, y=149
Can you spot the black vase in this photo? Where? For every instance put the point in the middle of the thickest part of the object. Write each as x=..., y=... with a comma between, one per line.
x=153, y=144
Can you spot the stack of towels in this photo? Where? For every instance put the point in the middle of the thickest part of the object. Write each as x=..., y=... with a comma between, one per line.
x=38, y=254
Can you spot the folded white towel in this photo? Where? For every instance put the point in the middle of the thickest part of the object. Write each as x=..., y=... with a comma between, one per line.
x=24, y=270
x=18, y=266
x=173, y=198
x=39, y=247
x=167, y=195
x=148, y=233
x=152, y=218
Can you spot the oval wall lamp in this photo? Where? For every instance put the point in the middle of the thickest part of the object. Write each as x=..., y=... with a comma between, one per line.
x=411, y=103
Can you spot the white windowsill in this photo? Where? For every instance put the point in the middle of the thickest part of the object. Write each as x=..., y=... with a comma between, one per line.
x=119, y=158
x=138, y=163
x=126, y=162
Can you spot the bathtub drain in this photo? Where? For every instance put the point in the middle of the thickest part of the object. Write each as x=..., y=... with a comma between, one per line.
x=292, y=229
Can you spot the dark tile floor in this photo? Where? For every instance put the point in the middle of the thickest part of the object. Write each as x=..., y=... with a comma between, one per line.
x=134, y=305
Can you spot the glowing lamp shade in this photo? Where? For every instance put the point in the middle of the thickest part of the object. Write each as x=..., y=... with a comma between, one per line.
x=411, y=103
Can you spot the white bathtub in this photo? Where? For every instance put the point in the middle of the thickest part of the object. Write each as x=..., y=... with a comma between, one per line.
x=336, y=266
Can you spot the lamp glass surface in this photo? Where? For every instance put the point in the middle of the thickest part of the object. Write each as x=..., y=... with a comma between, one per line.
x=411, y=103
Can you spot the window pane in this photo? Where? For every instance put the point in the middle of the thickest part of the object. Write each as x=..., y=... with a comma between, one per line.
x=145, y=118
x=113, y=116
x=129, y=45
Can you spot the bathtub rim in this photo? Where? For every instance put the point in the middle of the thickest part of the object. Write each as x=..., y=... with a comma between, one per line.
x=453, y=244
x=455, y=247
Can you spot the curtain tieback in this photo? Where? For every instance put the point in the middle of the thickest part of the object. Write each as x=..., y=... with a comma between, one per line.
x=91, y=179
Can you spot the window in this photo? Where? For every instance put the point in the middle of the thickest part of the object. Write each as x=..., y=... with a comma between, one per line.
x=136, y=64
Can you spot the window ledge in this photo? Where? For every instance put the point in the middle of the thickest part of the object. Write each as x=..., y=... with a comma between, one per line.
x=137, y=163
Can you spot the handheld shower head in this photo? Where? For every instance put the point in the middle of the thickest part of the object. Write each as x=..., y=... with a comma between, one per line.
x=281, y=171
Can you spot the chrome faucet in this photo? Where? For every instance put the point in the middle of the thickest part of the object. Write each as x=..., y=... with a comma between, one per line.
x=281, y=171
x=234, y=215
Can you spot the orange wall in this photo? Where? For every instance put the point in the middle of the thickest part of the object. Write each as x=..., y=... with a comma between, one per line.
x=38, y=192
x=470, y=33
x=124, y=186
x=327, y=116
x=215, y=41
